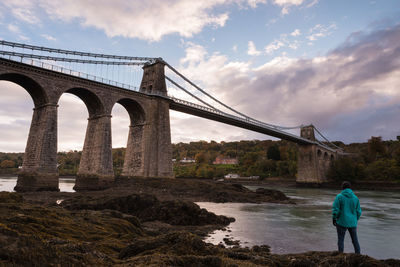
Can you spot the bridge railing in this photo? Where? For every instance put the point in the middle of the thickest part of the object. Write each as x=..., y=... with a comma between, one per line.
x=52, y=67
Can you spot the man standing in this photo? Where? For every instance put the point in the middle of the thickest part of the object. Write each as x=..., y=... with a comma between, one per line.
x=346, y=211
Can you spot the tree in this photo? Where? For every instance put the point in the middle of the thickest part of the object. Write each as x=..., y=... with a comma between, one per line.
x=273, y=152
x=345, y=169
x=7, y=164
x=375, y=148
x=201, y=157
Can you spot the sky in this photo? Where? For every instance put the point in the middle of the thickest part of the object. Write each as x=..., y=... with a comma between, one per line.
x=335, y=64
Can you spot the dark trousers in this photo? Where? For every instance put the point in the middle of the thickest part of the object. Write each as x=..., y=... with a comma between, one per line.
x=341, y=231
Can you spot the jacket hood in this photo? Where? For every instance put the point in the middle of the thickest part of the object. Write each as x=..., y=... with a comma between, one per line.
x=348, y=193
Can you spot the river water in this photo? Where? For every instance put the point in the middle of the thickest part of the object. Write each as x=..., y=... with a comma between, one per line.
x=306, y=226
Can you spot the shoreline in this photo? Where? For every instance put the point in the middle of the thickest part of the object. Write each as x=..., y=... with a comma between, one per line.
x=282, y=182
x=291, y=183
x=139, y=222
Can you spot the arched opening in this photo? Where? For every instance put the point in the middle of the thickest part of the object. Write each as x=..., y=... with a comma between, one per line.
x=332, y=157
x=31, y=86
x=120, y=121
x=319, y=153
x=73, y=130
x=15, y=118
x=133, y=154
x=16, y=107
x=72, y=123
x=91, y=100
x=326, y=156
x=28, y=133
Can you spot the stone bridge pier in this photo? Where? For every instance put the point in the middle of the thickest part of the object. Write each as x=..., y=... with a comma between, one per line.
x=313, y=160
x=39, y=169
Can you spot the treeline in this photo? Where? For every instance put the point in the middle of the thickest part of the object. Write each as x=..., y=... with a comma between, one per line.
x=255, y=158
x=68, y=162
x=373, y=160
x=376, y=160
x=9, y=162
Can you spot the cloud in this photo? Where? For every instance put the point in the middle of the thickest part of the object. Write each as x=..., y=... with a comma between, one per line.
x=252, y=50
x=48, y=37
x=15, y=29
x=356, y=84
x=23, y=10
x=275, y=45
x=296, y=33
x=285, y=40
x=286, y=4
x=148, y=20
x=319, y=31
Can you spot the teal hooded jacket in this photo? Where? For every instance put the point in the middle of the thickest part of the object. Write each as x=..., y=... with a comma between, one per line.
x=346, y=209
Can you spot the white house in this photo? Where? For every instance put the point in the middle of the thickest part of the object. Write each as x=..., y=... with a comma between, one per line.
x=232, y=176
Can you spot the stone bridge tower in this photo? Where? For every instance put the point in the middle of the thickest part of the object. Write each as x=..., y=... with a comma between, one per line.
x=313, y=160
x=151, y=141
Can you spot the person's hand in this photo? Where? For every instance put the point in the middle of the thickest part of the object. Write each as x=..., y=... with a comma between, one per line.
x=334, y=222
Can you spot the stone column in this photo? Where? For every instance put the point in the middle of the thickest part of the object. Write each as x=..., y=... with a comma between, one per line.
x=157, y=142
x=308, y=171
x=134, y=155
x=156, y=139
x=96, y=169
x=164, y=168
x=313, y=160
x=39, y=169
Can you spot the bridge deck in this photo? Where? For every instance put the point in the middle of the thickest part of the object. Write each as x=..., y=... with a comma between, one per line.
x=239, y=123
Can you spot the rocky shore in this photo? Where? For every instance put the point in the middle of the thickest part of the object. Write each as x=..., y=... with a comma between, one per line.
x=139, y=222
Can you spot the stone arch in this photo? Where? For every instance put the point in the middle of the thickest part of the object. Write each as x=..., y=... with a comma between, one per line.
x=93, y=103
x=326, y=156
x=332, y=157
x=319, y=153
x=135, y=150
x=34, y=89
x=135, y=110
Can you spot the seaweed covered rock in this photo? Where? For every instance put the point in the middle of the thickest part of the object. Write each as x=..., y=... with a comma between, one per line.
x=149, y=208
x=8, y=197
x=272, y=193
x=176, y=243
x=32, y=235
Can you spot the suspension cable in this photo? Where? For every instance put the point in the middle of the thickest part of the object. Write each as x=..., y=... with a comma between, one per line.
x=204, y=92
x=235, y=111
x=326, y=139
x=189, y=93
x=85, y=61
x=77, y=53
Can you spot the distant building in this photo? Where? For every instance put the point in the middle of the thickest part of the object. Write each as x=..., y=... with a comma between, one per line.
x=232, y=176
x=221, y=160
x=187, y=160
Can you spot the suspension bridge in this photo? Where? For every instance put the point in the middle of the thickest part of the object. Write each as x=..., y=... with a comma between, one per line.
x=147, y=87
